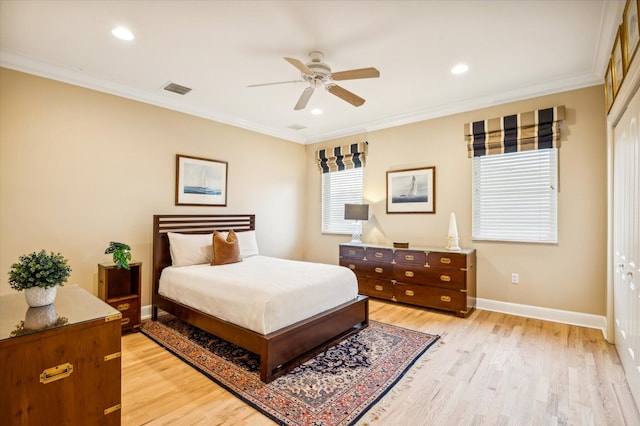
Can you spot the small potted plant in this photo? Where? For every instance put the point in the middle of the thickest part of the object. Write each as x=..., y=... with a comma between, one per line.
x=121, y=254
x=39, y=274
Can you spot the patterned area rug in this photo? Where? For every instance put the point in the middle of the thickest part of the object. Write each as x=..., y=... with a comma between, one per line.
x=336, y=387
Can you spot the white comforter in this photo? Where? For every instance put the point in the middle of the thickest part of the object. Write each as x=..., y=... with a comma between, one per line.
x=260, y=293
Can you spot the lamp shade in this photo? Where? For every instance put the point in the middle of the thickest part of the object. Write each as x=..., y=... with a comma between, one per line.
x=356, y=211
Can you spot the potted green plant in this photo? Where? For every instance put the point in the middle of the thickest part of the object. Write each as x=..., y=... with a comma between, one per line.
x=121, y=254
x=39, y=274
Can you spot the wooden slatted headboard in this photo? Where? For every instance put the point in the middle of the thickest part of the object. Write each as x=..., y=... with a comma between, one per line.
x=190, y=224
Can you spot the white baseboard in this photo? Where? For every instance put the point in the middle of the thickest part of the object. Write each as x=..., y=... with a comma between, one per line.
x=598, y=322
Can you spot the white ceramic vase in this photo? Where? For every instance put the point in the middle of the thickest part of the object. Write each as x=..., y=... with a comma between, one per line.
x=38, y=296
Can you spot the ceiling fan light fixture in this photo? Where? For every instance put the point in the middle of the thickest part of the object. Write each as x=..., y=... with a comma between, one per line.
x=459, y=69
x=122, y=33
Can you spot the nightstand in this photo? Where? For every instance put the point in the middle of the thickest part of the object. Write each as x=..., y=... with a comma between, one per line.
x=120, y=288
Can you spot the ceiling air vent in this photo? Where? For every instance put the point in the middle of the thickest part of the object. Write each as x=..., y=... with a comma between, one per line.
x=176, y=88
x=297, y=127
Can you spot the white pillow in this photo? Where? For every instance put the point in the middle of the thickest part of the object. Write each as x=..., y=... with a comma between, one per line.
x=247, y=242
x=190, y=249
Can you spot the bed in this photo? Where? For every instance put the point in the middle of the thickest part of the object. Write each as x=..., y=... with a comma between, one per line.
x=281, y=349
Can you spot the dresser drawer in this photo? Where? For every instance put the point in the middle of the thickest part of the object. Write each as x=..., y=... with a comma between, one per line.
x=447, y=260
x=377, y=254
x=439, y=277
x=352, y=252
x=431, y=297
x=410, y=257
x=376, y=288
x=375, y=270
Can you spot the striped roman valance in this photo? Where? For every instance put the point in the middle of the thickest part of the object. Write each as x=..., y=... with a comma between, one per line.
x=512, y=133
x=342, y=157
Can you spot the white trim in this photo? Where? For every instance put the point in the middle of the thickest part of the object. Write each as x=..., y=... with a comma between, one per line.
x=145, y=312
x=598, y=322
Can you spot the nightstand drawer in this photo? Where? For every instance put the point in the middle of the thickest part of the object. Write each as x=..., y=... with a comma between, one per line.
x=130, y=309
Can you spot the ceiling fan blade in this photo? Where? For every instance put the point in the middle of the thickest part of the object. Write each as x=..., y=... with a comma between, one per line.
x=304, y=98
x=346, y=95
x=355, y=74
x=277, y=82
x=298, y=64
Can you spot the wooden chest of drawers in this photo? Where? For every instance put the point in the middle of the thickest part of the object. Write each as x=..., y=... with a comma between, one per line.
x=68, y=371
x=431, y=278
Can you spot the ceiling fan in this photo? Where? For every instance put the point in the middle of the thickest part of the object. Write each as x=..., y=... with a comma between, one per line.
x=318, y=74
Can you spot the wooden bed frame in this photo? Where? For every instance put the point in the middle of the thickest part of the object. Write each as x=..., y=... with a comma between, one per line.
x=279, y=351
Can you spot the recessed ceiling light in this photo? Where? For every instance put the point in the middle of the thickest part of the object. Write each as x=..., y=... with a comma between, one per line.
x=316, y=111
x=460, y=69
x=122, y=33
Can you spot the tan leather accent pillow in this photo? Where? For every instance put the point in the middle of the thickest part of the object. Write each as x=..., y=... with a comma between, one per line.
x=225, y=251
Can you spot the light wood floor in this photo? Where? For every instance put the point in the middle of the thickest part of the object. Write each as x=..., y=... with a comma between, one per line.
x=489, y=369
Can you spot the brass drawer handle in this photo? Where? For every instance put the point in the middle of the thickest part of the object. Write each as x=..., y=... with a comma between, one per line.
x=445, y=298
x=445, y=278
x=378, y=254
x=445, y=260
x=409, y=293
x=409, y=257
x=379, y=270
x=351, y=252
x=409, y=274
x=379, y=288
x=123, y=307
x=125, y=321
x=56, y=373
x=352, y=266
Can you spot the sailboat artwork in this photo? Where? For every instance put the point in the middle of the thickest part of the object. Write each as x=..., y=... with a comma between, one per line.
x=201, y=181
x=410, y=189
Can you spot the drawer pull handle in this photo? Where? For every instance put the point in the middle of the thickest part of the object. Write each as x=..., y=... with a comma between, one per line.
x=445, y=260
x=445, y=278
x=409, y=293
x=351, y=252
x=378, y=255
x=409, y=274
x=379, y=288
x=56, y=373
x=125, y=321
x=352, y=266
x=409, y=257
x=445, y=298
x=112, y=409
x=123, y=307
x=379, y=270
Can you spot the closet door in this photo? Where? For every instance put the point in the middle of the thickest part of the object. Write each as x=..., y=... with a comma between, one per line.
x=626, y=242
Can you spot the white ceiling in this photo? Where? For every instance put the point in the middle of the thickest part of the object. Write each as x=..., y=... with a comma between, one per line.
x=515, y=49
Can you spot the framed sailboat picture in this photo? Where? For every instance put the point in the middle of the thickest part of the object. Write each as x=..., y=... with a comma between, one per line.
x=411, y=190
x=200, y=181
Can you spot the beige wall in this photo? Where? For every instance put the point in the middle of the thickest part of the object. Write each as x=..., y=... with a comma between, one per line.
x=568, y=276
x=80, y=168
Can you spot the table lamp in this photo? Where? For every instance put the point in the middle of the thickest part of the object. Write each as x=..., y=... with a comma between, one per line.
x=357, y=212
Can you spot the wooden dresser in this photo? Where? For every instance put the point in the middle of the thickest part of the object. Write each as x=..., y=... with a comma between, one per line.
x=61, y=362
x=437, y=279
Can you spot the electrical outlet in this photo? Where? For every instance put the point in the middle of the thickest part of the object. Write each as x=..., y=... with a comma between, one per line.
x=515, y=278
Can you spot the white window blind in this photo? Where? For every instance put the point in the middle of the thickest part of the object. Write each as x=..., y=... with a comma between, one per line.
x=340, y=188
x=515, y=196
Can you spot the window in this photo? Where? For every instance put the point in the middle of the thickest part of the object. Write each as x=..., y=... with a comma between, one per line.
x=340, y=188
x=515, y=196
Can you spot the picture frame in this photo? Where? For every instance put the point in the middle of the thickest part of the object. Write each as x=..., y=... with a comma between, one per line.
x=411, y=190
x=608, y=87
x=617, y=64
x=200, y=181
x=631, y=32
